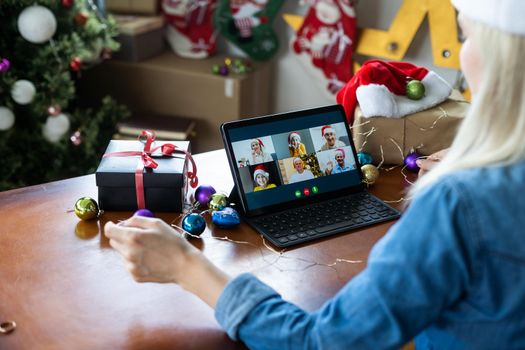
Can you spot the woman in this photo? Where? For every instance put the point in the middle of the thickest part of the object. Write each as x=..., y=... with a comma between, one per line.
x=450, y=272
x=295, y=146
x=258, y=153
x=262, y=179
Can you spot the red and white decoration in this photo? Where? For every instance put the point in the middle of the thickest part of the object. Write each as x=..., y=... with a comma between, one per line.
x=190, y=32
x=325, y=42
x=380, y=89
x=243, y=13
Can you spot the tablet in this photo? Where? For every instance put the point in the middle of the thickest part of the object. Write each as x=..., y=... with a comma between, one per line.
x=291, y=159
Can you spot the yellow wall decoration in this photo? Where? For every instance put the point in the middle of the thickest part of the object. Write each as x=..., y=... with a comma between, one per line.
x=394, y=43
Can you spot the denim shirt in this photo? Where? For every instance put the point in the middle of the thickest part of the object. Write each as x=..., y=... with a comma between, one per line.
x=450, y=272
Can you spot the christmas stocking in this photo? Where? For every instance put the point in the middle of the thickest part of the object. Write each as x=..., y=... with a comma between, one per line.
x=325, y=43
x=247, y=24
x=190, y=31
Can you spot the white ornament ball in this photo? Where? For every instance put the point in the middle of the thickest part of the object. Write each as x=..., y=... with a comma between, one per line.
x=7, y=118
x=23, y=92
x=37, y=24
x=55, y=127
x=50, y=136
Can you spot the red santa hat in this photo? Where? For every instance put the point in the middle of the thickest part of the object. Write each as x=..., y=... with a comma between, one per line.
x=340, y=151
x=293, y=134
x=260, y=170
x=257, y=141
x=327, y=128
x=380, y=89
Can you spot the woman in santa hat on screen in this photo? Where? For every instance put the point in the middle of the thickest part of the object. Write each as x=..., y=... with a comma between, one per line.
x=295, y=146
x=450, y=273
x=261, y=177
x=259, y=154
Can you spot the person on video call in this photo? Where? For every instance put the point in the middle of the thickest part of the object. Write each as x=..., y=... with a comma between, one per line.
x=331, y=141
x=450, y=274
x=300, y=174
x=259, y=154
x=261, y=177
x=340, y=164
x=295, y=146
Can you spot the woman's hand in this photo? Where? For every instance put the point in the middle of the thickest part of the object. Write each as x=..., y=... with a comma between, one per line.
x=154, y=252
x=431, y=161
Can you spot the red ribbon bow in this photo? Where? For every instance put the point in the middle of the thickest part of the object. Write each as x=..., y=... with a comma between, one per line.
x=146, y=161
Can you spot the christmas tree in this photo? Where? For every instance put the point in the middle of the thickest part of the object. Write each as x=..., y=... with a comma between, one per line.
x=45, y=134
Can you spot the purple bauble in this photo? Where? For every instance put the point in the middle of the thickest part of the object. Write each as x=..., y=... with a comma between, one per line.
x=144, y=212
x=224, y=71
x=4, y=65
x=203, y=194
x=410, y=162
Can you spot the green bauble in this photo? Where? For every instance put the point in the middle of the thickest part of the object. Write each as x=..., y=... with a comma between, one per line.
x=218, y=201
x=415, y=90
x=86, y=208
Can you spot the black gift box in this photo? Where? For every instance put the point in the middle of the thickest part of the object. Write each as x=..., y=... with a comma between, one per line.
x=164, y=187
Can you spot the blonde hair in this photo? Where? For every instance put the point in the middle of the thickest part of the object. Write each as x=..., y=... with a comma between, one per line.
x=493, y=132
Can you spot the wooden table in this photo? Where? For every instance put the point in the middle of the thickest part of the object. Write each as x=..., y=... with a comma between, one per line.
x=66, y=288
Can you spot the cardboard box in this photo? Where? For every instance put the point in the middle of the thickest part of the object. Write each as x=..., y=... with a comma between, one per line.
x=146, y=7
x=140, y=37
x=391, y=139
x=174, y=86
x=164, y=187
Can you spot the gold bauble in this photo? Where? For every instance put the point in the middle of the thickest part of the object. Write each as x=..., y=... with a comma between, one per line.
x=86, y=208
x=370, y=174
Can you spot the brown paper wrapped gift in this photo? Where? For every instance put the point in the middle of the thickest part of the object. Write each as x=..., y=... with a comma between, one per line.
x=389, y=140
x=146, y=7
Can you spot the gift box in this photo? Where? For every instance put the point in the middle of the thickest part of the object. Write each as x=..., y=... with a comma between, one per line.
x=170, y=85
x=164, y=188
x=140, y=38
x=389, y=140
x=145, y=7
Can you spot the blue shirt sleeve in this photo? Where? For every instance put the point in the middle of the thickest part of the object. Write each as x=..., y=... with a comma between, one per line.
x=419, y=269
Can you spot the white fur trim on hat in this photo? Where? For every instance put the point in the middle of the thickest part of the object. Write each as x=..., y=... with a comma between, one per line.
x=506, y=15
x=260, y=172
x=377, y=101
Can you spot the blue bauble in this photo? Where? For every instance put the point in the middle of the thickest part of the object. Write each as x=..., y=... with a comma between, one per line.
x=194, y=224
x=226, y=218
x=364, y=158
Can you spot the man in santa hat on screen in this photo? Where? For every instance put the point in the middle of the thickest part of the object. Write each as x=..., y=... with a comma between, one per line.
x=330, y=137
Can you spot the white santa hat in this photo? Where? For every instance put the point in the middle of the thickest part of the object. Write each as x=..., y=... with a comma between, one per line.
x=380, y=89
x=327, y=129
x=506, y=15
x=260, y=170
x=293, y=134
x=340, y=151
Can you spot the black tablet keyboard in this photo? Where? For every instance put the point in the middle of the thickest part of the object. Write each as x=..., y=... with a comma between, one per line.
x=298, y=225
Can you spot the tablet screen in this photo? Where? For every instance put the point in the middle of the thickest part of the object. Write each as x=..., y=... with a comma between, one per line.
x=295, y=156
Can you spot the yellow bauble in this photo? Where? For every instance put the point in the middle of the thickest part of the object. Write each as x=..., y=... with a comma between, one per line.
x=86, y=208
x=370, y=174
